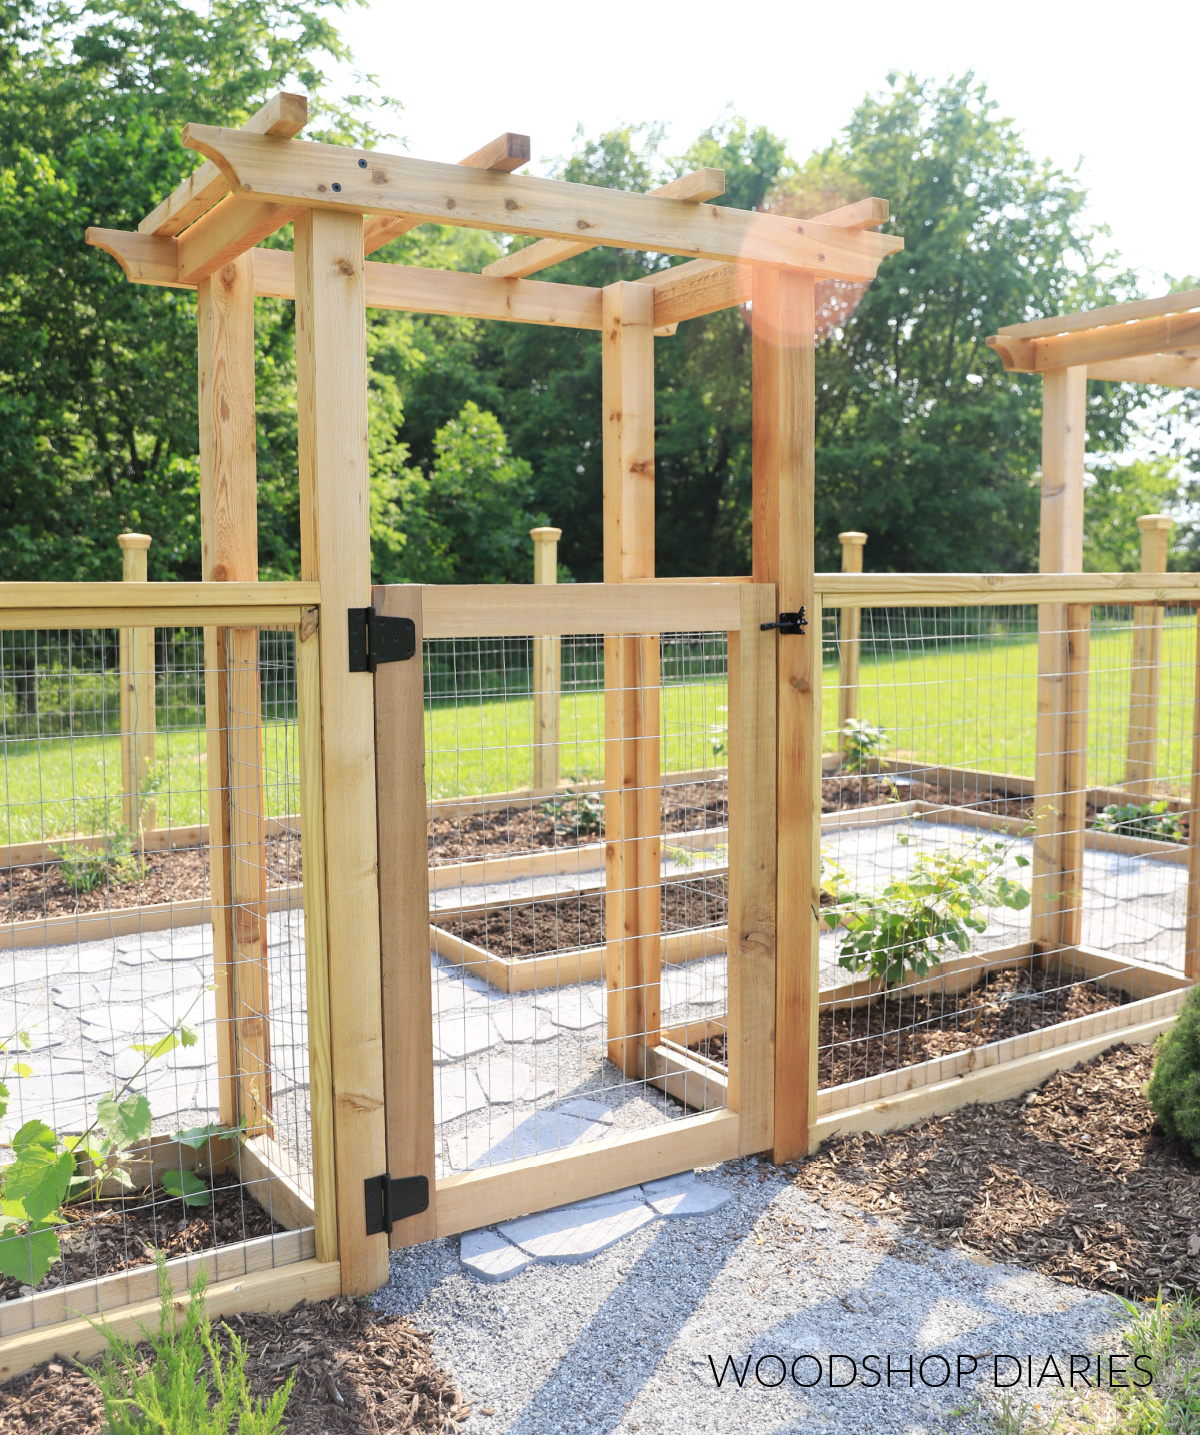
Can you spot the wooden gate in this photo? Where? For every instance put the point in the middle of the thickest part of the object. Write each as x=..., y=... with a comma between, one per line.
x=645, y=1097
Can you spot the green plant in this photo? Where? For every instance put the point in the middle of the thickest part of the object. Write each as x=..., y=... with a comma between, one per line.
x=862, y=744
x=1166, y=1338
x=835, y=880
x=188, y=1386
x=1154, y=820
x=576, y=814
x=906, y=927
x=113, y=862
x=1173, y=1090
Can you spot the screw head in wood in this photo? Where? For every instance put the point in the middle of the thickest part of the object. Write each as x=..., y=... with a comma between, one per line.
x=362, y=164
x=336, y=187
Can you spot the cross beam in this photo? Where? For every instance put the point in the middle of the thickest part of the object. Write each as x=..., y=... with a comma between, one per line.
x=1097, y=345
x=366, y=181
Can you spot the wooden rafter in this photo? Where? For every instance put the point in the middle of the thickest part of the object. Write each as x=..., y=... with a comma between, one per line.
x=1172, y=371
x=503, y=154
x=284, y=114
x=1160, y=334
x=298, y=172
x=1098, y=318
x=697, y=187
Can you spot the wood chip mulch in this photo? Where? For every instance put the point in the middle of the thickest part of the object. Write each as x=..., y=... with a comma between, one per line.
x=116, y=1235
x=538, y=928
x=40, y=890
x=1074, y=1180
x=356, y=1371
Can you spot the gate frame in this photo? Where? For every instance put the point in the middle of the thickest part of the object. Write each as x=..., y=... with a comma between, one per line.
x=478, y=1198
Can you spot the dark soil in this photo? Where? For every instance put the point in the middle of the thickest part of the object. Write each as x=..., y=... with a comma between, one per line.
x=1074, y=1179
x=895, y=1031
x=564, y=923
x=119, y=1234
x=36, y=891
x=355, y=1371
x=843, y=791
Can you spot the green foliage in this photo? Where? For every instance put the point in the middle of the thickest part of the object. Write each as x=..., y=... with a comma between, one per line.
x=113, y=863
x=1154, y=820
x=1166, y=1336
x=863, y=743
x=576, y=814
x=1116, y=495
x=187, y=1386
x=907, y=927
x=1173, y=1090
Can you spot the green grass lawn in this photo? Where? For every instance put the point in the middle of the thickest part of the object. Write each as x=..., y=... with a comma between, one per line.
x=968, y=702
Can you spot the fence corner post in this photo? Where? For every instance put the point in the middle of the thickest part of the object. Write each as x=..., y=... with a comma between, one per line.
x=547, y=670
x=1141, y=752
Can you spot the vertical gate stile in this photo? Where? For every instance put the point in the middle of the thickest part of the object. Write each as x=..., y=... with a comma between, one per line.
x=1191, y=960
x=404, y=915
x=752, y=880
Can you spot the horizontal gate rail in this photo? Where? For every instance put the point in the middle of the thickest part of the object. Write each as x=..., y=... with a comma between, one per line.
x=32, y=606
x=486, y=610
x=934, y=590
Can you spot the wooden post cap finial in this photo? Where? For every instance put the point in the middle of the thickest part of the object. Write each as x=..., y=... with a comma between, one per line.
x=852, y=536
x=545, y=535
x=1153, y=521
x=134, y=540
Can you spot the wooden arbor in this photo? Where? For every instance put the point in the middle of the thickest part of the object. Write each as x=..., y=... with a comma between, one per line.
x=1151, y=341
x=345, y=203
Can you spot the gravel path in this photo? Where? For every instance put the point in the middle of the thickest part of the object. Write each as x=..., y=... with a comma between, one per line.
x=622, y=1342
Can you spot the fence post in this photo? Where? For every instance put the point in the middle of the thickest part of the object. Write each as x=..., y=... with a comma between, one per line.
x=233, y=718
x=331, y=375
x=849, y=624
x=1063, y=644
x=784, y=417
x=632, y=780
x=1191, y=958
x=1142, y=747
x=137, y=695
x=547, y=671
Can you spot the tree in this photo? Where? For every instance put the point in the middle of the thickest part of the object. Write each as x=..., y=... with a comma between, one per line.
x=1115, y=496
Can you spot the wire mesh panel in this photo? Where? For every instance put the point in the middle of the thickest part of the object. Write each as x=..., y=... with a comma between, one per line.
x=1003, y=826
x=578, y=934
x=151, y=960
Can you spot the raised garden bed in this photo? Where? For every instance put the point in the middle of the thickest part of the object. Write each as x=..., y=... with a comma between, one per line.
x=1073, y=1179
x=356, y=1370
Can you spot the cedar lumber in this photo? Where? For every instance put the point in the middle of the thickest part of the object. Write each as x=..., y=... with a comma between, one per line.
x=1105, y=315
x=1171, y=371
x=1158, y=335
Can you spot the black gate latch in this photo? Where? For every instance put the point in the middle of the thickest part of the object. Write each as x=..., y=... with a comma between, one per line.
x=390, y=1199
x=375, y=639
x=790, y=625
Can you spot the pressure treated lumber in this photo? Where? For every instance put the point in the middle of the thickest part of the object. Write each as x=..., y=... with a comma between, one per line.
x=404, y=915
x=547, y=670
x=1060, y=786
x=1141, y=751
x=784, y=438
x=489, y=610
x=538, y=1183
x=632, y=809
x=503, y=154
x=126, y=602
x=331, y=364
x=849, y=628
x=284, y=114
x=299, y=172
x=136, y=670
x=229, y=554
x=696, y=188
x=316, y=933
x=751, y=937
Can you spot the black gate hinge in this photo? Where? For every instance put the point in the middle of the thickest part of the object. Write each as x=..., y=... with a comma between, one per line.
x=389, y=1199
x=375, y=639
x=790, y=625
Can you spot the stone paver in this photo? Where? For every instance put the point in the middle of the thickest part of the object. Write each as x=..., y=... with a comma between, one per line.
x=490, y=1257
x=576, y=1233
x=678, y=1196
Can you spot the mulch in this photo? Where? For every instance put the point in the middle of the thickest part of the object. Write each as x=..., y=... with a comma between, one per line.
x=555, y=924
x=1075, y=1180
x=356, y=1371
x=116, y=1235
x=893, y=1031
x=40, y=890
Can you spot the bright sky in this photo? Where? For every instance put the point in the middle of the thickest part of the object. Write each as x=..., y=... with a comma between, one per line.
x=1110, y=84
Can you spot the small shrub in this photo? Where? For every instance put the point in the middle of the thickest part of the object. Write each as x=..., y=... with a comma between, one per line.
x=863, y=743
x=113, y=863
x=187, y=1387
x=576, y=814
x=1152, y=819
x=1173, y=1090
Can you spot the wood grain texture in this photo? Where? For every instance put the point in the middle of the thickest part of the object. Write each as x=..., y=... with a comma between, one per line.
x=1115, y=341
x=539, y=1183
x=783, y=445
x=633, y=821
x=488, y=610
x=1106, y=314
x=1059, y=772
x=136, y=692
x=1141, y=746
x=331, y=364
x=298, y=172
x=226, y=232
x=404, y=915
x=1191, y=965
x=1165, y=369
x=849, y=628
x=750, y=1050
x=283, y=114
x=932, y=590
x=171, y=602
x=547, y=670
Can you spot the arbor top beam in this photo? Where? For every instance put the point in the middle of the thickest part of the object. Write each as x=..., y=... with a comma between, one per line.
x=299, y=172
x=1163, y=329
